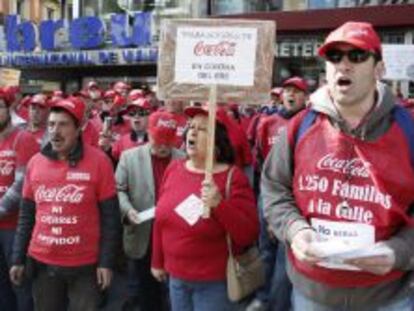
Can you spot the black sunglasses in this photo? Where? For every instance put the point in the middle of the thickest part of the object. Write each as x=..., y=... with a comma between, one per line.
x=138, y=113
x=355, y=56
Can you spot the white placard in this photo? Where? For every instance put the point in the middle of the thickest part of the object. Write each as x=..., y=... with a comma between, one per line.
x=222, y=56
x=191, y=209
x=399, y=61
x=338, y=238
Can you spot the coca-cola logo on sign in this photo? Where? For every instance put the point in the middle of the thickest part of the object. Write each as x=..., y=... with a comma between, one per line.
x=354, y=167
x=223, y=48
x=6, y=167
x=66, y=194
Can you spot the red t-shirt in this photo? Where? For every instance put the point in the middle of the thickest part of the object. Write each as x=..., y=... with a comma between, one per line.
x=199, y=252
x=267, y=131
x=67, y=229
x=15, y=151
x=90, y=135
x=37, y=135
x=182, y=121
x=159, y=165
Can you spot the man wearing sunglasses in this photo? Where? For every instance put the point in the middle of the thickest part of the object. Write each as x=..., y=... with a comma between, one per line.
x=138, y=111
x=335, y=192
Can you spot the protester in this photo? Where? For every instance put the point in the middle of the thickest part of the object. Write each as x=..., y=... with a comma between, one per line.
x=122, y=88
x=294, y=96
x=275, y=294
x=16, y=148
x=338, y=183
x=69, y=220
x=176, y=107
x=190, y=249
x=38, y=112
x=138, y=111
x=139, y=175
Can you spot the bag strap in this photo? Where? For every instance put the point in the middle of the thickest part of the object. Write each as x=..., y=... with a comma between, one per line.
x=227, y=195
x=306, y=123
x=406, y=123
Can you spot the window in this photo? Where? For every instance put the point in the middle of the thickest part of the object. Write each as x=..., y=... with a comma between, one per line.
x=20, y=7
x=222, y=7
x=347, y=3
x=321, y=4
x=70, y=12
x=50, y=13
x=393, y=38
x=411, y=89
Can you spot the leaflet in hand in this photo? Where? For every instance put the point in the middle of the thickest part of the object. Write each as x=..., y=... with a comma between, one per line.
x=336, y=252
x=146, y=215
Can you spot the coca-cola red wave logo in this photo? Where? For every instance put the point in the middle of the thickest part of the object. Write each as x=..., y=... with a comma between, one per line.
x=67, y=194
x=354, y=167
x=223, y=48
x=6, y=167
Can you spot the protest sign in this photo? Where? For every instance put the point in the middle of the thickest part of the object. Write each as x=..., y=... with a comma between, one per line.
x=9, y=77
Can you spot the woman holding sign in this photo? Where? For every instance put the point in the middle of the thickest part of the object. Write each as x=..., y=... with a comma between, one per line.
x=191, y=249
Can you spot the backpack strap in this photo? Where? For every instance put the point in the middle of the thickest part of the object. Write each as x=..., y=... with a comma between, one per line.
x=404, y=120
x=306, y=123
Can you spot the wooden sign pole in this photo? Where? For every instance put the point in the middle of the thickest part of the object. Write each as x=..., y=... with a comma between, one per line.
x=211, y=131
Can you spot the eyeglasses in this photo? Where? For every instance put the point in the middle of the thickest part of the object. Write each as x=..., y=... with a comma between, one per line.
x=138, y=113
x=355, y=56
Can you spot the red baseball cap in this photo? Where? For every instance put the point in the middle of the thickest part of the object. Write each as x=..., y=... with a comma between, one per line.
x=359, y=34
x=276, y=91
x=192, y=111
x=57, y=93
x=140, y=103
x=297, y=82
x=121, y=86
x=25, y=101
x=162, y=127
x=6, y=96
x=135, y=94
x=73, y=106
x=92, y=84
x=118, y=102
x=40, y=100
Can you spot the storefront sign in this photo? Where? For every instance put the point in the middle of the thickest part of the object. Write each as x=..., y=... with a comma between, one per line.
x=305, y=49
x=399, y=62
x=9, y=77
x=80, y=58
x=83, y=33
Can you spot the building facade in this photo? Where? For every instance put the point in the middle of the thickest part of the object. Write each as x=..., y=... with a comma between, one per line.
x=302, y=26
x=70, y=42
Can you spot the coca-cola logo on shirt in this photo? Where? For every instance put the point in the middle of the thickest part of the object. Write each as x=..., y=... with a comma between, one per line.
x=354, y=167
x=67, y=194
x=6, y=167
x=223, y=48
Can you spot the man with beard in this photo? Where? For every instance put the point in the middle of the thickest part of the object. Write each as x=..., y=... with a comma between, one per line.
x=16, y=148
x=69, y=222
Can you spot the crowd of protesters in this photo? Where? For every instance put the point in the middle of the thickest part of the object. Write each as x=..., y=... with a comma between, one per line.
x=80, y=172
